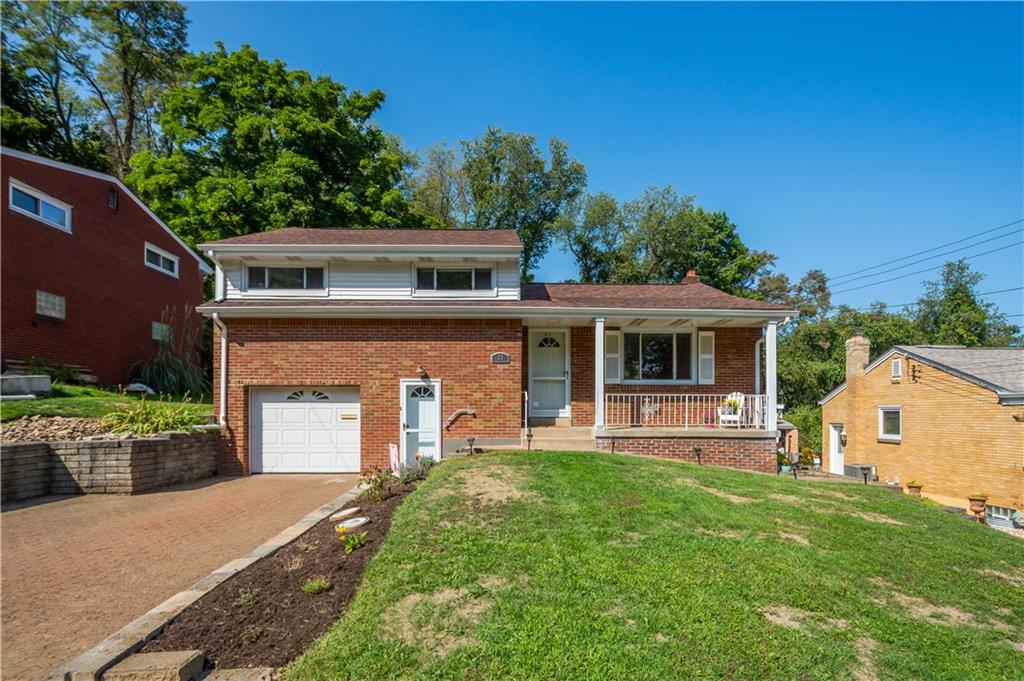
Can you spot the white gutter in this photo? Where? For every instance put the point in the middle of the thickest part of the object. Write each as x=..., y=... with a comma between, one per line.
x=223, y=386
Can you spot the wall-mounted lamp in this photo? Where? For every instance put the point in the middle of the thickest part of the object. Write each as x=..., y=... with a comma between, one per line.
x=421, y=371
x=842, y=436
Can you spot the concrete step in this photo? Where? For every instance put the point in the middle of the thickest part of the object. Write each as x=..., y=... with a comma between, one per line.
x=240, y=674
x=179, y=665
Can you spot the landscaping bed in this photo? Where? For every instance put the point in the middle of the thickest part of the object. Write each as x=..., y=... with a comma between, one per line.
x=263, y=617
x=45, y=428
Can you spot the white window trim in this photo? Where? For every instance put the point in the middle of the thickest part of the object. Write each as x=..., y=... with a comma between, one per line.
x=156, y=249
x=473, y=293
x=246, y=292
x=617, y=333
x=59, y=302
x=701, y=378
x=40, y=196
x=897, y=368
x=881, y=419
x=657, y=381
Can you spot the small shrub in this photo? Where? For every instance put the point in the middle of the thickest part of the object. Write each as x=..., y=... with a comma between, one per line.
x=145, y=417
x=247, y=598
x=57, y=371
x=376, y=485
x=316, y=585
x=294, y=564
x=354, y=541
x=251, y=635
x=416, y=471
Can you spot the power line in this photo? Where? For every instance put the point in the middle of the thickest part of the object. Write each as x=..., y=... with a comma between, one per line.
x=927, y=269
x=932, y=257
x=984, y=293
x=927, y=250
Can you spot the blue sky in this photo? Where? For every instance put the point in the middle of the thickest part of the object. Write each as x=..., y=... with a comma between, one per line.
x=836, y=136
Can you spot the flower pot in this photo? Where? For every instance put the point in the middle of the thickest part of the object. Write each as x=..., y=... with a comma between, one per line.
x=914, y=490
x=786, y=468
x=978, y=508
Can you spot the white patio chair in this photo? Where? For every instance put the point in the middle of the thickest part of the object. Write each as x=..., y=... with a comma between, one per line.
x=727, y=420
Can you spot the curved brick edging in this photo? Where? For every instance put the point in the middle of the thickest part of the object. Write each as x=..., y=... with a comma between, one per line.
x=90, y=665
x=745, y=453
x=123, y=466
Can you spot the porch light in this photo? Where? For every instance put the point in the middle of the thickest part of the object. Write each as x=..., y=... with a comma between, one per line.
x=421, y=371
x=842, y=436
x=470, y=440
x=697, y=452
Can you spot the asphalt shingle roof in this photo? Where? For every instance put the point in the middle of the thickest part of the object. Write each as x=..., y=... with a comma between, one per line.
x=1000, y=367
x=308, y=236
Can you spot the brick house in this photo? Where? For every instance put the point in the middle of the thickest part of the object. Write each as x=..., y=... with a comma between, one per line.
x=950, y=418
x=87, y=269
x=333, y=344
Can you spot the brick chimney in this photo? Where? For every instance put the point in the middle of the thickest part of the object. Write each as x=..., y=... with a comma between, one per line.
x=858, y=352
x=692, y=275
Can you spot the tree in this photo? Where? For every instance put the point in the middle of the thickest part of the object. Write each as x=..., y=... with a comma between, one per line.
x=254, y=146
x=440, y=191
x=950, y=312
x=810, y=296
x=589, y=230
x=512, y=187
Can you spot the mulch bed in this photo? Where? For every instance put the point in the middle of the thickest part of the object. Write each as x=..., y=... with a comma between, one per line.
x=261, y=617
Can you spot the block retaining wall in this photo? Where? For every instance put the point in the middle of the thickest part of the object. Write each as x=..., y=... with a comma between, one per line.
x=750, y=454
x=129, y=466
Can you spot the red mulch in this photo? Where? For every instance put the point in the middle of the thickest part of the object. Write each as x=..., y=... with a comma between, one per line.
x=279, y=622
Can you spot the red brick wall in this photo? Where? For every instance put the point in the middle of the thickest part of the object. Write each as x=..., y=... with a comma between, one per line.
x=374, y=354
x=734, y=370
x=111, y=297
x=743, y=453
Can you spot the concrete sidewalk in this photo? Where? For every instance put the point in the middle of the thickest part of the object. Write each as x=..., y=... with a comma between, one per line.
x=76, y=570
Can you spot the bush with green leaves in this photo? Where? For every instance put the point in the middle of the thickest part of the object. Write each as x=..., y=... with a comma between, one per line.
x=148, y=416
x=354, y=541
x=416, y=471
x=57, y=371
x=175, y=369
x=375, y=485
x=316, y=585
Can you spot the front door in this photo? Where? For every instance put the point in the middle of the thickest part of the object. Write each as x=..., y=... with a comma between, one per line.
x=549, y=372
x=421, y=420
x=837, y=451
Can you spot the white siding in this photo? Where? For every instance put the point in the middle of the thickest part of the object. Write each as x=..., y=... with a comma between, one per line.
x=361, y=280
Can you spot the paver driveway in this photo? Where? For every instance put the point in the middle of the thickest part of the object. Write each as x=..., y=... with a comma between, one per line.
x=78, y=569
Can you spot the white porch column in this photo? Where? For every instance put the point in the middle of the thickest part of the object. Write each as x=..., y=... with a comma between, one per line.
x=598, y=373
x=771, y=375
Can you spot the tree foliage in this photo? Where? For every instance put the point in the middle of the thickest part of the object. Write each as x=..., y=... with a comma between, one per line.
x=951, y=313
x=254, y=146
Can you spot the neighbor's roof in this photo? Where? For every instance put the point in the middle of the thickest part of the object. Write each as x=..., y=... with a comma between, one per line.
x=1000, y=370
x=308, y=236
x=42, y=160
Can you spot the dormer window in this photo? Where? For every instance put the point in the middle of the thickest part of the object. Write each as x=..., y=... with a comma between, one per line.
x=453, y=279
x=286, y=278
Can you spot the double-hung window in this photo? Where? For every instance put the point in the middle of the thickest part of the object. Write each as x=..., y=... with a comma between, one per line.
x=890, y=424
x=454, y=279
x=35, y=204
x=160, y=260
x=268, y=277
x=658, y=356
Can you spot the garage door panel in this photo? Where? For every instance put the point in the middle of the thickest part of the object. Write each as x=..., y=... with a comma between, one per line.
x=298, y=430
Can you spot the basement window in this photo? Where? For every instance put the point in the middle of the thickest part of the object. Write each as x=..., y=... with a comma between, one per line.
x=890, y=424
x=50, y=305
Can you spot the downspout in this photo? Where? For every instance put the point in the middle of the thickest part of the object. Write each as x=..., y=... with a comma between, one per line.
x=223, y=387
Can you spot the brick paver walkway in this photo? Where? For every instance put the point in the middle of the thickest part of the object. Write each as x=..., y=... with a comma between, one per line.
x=78, y=569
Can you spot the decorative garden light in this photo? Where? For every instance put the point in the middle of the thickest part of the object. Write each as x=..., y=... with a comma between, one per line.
x=697, y=452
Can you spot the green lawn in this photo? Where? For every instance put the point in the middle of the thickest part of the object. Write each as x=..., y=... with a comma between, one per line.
x=76, y=400
x=587, y=566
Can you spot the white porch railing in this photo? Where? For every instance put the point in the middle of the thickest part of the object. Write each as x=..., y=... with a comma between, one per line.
x=680, y=410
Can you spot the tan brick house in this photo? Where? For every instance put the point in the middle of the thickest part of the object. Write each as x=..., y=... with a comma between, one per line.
x=334, y=344
x=950, y=418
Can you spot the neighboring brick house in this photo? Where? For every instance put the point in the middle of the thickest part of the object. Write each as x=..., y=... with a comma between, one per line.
x=950, y=418
x=87, y=269
x=332, y=344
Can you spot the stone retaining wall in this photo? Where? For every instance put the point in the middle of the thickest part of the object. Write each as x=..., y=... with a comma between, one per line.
x=751, y=454
x=130, y=466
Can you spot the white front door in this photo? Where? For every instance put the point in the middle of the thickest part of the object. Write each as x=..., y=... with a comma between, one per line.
x=310, y=429
x=549, y=372
x=837, y=452
x=421, y=420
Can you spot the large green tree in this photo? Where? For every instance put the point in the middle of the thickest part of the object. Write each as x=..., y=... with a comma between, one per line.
x=102, y=65
x=951, y=313
x=254, y=146
x=589, y=230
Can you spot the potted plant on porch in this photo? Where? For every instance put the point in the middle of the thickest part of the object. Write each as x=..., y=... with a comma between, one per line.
x=914, y=488
x=783, y=460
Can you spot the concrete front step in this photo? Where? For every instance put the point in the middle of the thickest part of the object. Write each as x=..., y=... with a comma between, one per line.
x=179, y=665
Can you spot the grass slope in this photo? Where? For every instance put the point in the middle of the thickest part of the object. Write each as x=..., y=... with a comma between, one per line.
x=77, y=400
x=590, y=566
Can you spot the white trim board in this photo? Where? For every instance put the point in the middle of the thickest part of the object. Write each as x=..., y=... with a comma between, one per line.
x=5, y=151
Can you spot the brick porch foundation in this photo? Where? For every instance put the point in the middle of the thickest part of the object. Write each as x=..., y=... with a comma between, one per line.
x=744, y=453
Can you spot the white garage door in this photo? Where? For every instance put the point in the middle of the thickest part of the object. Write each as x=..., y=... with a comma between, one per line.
x=305, y=430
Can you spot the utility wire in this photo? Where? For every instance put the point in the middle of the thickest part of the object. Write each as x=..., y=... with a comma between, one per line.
x=927, y=250
x=931, y=257
x=984, y=293
x=927, y=269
